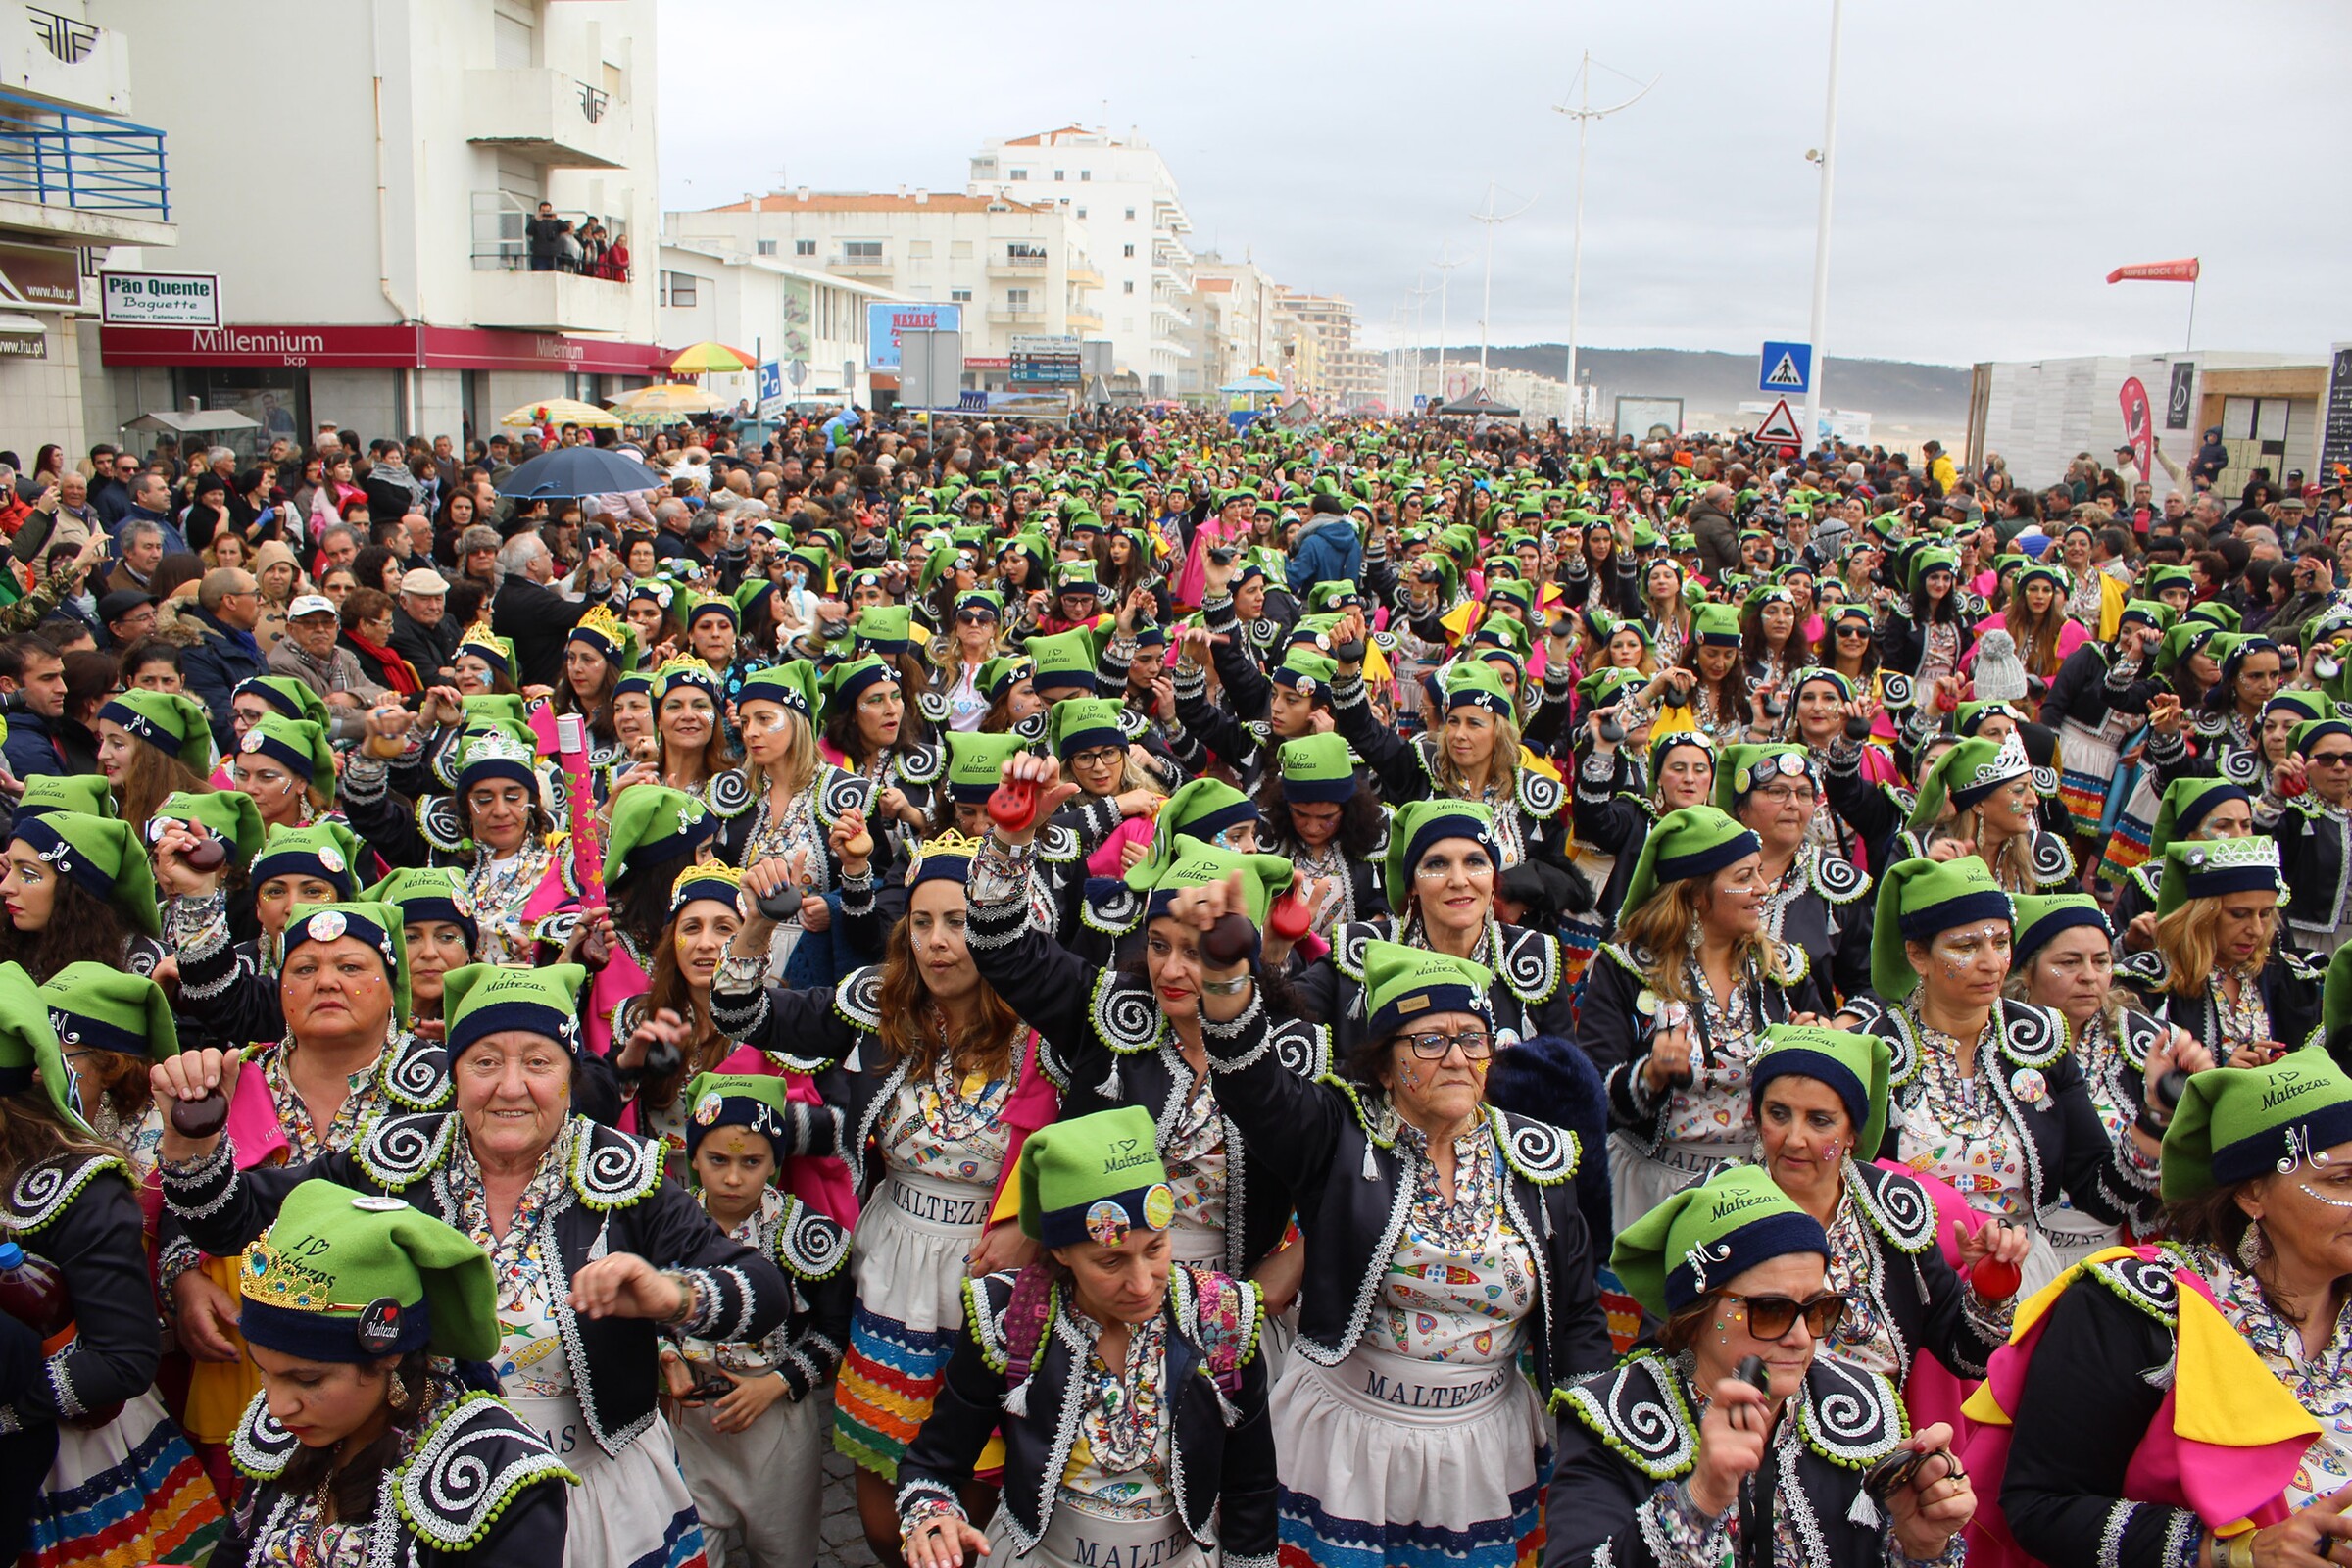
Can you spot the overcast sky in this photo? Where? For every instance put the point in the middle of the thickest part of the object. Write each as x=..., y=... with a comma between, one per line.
x=1995, y=159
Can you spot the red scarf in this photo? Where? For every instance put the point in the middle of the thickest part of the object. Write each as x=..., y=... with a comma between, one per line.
x=398, y=672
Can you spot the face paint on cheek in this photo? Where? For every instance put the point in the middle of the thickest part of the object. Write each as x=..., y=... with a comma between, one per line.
x=1406, y=1076
x=2331, y=1203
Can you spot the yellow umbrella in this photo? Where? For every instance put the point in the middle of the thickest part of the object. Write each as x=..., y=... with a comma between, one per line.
x=561, y=411
x=668, y=397
x=708, y=357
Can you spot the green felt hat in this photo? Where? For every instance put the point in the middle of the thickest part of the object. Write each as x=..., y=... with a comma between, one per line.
x=1917, y=900
x=1094, y=1179
x=379, y=926
x=343, y=1276
x=885, y=629
x=495, y=651
x=173, y=722
x=1328, y=598
x=491, y=749
x=1316, y=769
x=2055, y=577
x=757, y=1101
x=845, y=683
x=294, y=743
x=1190, y=862
x=1083, y=723
x=1003, y=673
x=229, y=815
x=1966, y=775
x=2036, y=917
x=1420, y=824
x=1200, y=810
x=1743, y=768
x=654, y=828
x=1305, y=670
x=497, y=708
x=612, y=637
x=1498, y=636
x=98, y=1005
x=2302, y=702
x=1718, y=624
x=1930, y=558
x=1473, y=683
x=1516, y=589
x=791, y=684
x=1064, y=660
x=2235, y=1124
x=2153, y=613
x=699, y=605
x=2157, y=578
x=1661, y=744
x=2211, y=868
x=1970, y=716
x=2187, y=802
x=2186, y=637
x=1076, y=577
x=422, y=893
x=30, y=1058
x=976, y=762
x=1606, y=686
x=1405, y=985
x=2312, y=731
x=328, y=851
x=292, y=699
x=1704, y=1237
x=2336, y=996
x=1694, y=842
x=102, y=856
x=1853, y=1064
x=84, y=794
x=688, y=670
x=487, y=999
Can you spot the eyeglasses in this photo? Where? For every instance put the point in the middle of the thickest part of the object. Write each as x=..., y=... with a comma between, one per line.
x=1476, y=1046
x=1098, y=757
x=1769, y=1317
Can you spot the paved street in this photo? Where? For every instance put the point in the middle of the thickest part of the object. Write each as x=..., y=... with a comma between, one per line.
x=843, y=1542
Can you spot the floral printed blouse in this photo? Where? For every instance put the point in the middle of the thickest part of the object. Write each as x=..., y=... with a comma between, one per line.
x=528, y=1275
x=1954, y=1126
x=949, y=1127
x=1462, y=1281
x=1118, y=1466
x=2321, y=1385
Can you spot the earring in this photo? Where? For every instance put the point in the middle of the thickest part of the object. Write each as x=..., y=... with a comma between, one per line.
x=397, y=1394
x=2253, y=1246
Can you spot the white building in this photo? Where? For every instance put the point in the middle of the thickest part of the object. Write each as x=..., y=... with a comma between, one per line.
x=1345, y=374
x=81, y=186
x=778, y=312
x=1235, y=326
x=1124, y=205
x=1014, y=268
x=364, y=202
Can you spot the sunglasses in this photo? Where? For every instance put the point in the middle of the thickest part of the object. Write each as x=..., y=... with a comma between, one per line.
x=1770, y=1317
x=2330, y=759
x=975, y=617
x=1853, y=631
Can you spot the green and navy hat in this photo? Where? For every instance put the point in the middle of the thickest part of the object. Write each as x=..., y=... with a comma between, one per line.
x=845, y=682
x=1694, y=842
x=1516, y=589
x=99, y=1005
x=1854, y=1065
x=30, y=1058
x=1316, y=769
x=1704, y=1237
x=1420, y=825
x=422, y=893
x=1003, y=673
x=344, y=1276
x=492, y=650
x=639, y=682
x=1203, y=809
x=1474, y=684
x=1930, y=559
x=2153, y=613
x=2301, y=702
x=295, y=743
x=1081, y=724
x=2158, y=578
x=1814, y=672
x=699, y=605
x=1744, y=769
x=85, y=793
x=2187, y=802
x=976, y=764
x=1326, y=598
x=1077, y=578
x=1967, y=774
x=2042, y=571
x=1606, y=686
x=1094, y=1178
x=1716, y=624
x=377, y=925
x=611, y=636
x=685, y=671
x=229, y=815
x=2211, y=868
x=1404, y=985
x=2186, y=638
x=2312, y=731
x=1918, y=899
x=173, y=723
x=328, y=851
x=885, y=629
x=2039, y=916
x=2235, y=1124
x=1306, y=671
x=791, y=684
x=1187, y=862
x=488, y=999
x=102, y=856
x=713, y=880
x=943, y=857
x=292, y=699
x=757, y=1101
x=490, y=750
x=653, y=827
x=1970, y=716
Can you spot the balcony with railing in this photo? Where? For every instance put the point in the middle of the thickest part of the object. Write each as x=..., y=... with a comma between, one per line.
x=867, y=263
x=93, y=177
x=549, y=117
x=1016, y=261
x=533, y=287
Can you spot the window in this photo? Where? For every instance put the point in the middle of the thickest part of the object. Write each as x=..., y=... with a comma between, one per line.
x=803, y=247
x=768, y=247
x=962, y=247
x=1017, y=298
x=1126, y=324
x=962, y=296
x=1058, y=174
x=1129, y=285
x=1131, y=215
x=919, y=247
x=860, y=249
x=1086, y=174
x=1020, y=173
x=1131, y=253
x=677, y=288
x=1082, y=214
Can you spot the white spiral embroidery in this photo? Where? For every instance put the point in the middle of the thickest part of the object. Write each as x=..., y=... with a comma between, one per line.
x=1128, y=1019
x=730, y=794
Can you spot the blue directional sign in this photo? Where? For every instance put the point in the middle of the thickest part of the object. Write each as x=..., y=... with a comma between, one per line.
x=1786, y=368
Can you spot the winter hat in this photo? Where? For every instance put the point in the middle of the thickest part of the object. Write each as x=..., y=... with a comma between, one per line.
x=102, y=856
x=296, y=743
x=1094, y=1179
x=1694, y=842
x=229, y=815
x=2234, y=1124
x=84, y=794
x=2187, y=802
x=1317, y=768
x=292, y=699
x=653, y=827
x=1704, y=1237
x=2000, y=674
x=344, y=1276
x=379, y=925
x=327, y=850
x=29, y=1056
x=2036, y=917
x=422, y=893
x=1919, y=899
x=1854, y=1065
x=2210, y=869
x=1403, y=984
x=483, y=1000
x=1420, y=825
x=791, y=684
x=1966, y=776
x=173, y=723
x=99, y=1005
x=976, y=764
x=757, y=1101
x=1083, y=724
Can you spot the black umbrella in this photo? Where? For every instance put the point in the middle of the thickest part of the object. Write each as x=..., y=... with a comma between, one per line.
x=569, y=472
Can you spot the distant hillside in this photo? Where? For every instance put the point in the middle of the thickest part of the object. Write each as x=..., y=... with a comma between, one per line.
x=1892, y=391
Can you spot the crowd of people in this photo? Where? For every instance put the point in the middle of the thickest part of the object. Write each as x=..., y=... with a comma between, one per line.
x=1403, y=993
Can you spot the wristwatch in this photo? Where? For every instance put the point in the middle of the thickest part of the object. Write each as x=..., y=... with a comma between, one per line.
x=1225, y=988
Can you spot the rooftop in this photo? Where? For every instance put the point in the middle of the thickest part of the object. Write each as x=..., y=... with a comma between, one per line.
x=859, y=201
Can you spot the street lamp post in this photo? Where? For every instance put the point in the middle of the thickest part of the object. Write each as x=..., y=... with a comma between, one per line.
x=1445, y=263
x=1584, y=114
x=1821, y=240
x=1489, y=217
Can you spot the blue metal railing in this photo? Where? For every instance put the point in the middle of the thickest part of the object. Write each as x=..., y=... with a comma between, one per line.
x=89, y=163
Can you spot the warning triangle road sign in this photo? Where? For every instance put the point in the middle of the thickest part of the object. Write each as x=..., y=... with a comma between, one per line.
x=1780, y=428
x=1786, y=373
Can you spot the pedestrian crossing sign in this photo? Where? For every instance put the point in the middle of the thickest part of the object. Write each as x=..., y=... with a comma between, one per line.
x=1780, y=428
x=1786, y=368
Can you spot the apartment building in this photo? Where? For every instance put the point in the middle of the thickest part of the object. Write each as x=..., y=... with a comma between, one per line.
x=786, y=314
x=1344, y=374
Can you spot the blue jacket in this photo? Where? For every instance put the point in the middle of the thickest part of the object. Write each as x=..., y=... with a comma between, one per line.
x=31, y=751
x=1329, y=549
x=214, y=668
x=176, y=543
